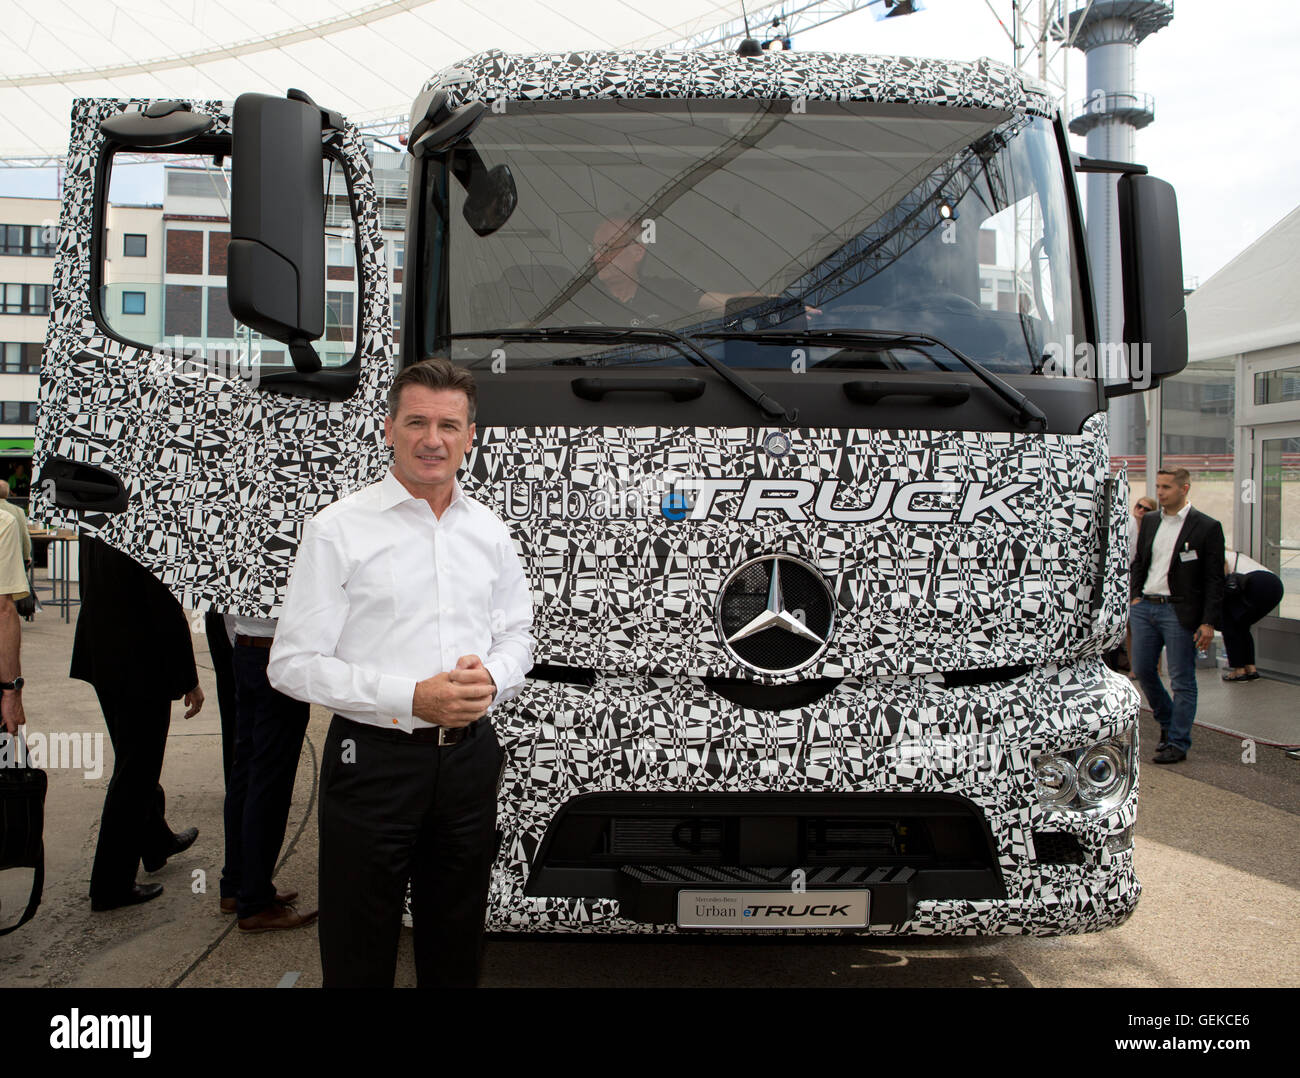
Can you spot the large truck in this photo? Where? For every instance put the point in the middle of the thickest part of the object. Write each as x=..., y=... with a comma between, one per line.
x=791, y=392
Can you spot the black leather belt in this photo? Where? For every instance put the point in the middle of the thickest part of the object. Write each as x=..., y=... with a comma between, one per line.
x=1159, y=599
x=436, y=735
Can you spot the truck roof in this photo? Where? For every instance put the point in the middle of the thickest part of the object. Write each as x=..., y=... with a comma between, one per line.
x=981, y=83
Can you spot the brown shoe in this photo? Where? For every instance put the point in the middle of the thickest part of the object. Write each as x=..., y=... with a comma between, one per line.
x=275, y=918
x=285, y=898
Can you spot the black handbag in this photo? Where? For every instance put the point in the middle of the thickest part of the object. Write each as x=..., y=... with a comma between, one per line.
x=22, y=821
x=28, y=604
x=1234, y=582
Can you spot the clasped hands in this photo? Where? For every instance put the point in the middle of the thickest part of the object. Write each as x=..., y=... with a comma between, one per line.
x=455, y=698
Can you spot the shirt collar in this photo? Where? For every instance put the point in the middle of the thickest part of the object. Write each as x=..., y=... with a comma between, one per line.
x=391, y=492
x=1181, y=514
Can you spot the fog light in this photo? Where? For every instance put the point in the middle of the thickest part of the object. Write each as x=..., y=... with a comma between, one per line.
x=1120, y=842
x=1057, y=781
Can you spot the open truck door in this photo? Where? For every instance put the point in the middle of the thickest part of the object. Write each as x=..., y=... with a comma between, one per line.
x=205, y=389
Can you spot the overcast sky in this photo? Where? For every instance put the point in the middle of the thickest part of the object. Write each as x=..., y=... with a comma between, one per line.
x=1223, y=77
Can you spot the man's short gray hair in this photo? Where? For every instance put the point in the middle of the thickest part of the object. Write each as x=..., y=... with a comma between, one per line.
x=434, y=374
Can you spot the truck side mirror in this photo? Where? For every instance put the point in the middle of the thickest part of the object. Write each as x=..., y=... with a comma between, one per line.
x=1155, y=316
x=276, y=262
x=490, y=200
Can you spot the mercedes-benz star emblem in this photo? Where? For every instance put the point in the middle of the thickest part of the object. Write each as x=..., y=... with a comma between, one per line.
x=775, y=614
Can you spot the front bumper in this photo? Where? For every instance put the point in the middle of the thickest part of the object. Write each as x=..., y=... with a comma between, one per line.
x=897, y=736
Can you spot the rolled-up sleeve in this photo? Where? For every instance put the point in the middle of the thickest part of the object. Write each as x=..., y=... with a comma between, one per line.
x=511, y=655
x=302, y=663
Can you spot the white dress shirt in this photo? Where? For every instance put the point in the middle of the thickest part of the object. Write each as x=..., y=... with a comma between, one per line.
x=385, y=594
x=1162, y=550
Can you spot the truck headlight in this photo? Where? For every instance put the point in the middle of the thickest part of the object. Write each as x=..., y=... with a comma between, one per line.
x=1057, y=781
x=1091, y=779
x=1103, y=776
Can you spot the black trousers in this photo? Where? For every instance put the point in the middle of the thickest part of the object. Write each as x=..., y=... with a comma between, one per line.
x=394, y=809
x=219, y=648
x=267, y=744
x=132, y=824
x=1260, y=592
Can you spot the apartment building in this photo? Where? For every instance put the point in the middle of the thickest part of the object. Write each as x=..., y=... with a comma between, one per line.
x=28, y=240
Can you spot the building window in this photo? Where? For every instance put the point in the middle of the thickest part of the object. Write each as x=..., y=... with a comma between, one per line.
x=17, y=411
x=1277, y=387
x=338, y=316
x=17, y=357
x=339, y=251
x=40, y=240
x=133, y=303
x=399, y=254
x=135, y=245
x=25, y=299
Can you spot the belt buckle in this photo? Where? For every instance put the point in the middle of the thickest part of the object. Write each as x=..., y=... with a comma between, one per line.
x=443, y=731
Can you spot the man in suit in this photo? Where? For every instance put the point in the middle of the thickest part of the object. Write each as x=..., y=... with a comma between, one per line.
x=1176, y=596
x=133, y=645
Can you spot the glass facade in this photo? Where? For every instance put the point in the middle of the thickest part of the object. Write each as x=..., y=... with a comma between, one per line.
x=1197, y=431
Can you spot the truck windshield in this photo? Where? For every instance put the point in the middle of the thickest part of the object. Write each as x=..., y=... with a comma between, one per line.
x=715, y=216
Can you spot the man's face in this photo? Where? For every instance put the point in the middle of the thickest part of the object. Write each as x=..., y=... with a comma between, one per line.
x=1169, y=493
x=430, y=436
x=616, y=262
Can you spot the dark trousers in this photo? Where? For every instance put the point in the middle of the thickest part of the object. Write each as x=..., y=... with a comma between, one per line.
x=1259, y=593
x=219, y=648
x=394, y=809
x=268, y=741
x=132, y=824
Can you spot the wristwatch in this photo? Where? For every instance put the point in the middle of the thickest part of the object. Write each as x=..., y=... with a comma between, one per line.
x=14, y=685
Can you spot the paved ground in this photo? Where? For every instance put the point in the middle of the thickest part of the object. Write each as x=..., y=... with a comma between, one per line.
x=1218, y=852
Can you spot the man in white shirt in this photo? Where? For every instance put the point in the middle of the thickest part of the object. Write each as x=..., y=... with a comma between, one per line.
x=1176, y=597
x=409, y=614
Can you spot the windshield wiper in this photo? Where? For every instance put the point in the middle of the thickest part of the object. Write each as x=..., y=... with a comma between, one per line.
x=1025, y=409
x=616, y=334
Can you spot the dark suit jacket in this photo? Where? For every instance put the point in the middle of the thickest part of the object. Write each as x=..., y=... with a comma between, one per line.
x=1197, y=585
x=132, y=635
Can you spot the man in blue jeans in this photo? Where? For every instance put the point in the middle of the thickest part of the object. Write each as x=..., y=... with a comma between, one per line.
x=1176, y=595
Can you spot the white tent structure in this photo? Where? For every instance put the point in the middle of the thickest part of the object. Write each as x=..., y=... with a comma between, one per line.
x=1253, y=303
x=1244, y=377
x=366, y=60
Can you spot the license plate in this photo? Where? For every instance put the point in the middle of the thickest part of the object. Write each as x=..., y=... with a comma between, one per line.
x=772, y=909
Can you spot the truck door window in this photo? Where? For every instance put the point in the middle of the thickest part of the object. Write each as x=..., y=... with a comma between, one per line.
x=170, y=293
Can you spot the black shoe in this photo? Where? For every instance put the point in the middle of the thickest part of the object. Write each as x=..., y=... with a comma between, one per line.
x=140, y=892
x=180, y=842
x=1169, y=755
x=1163, y=743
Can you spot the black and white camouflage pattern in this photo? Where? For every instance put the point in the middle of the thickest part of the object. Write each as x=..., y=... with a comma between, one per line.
x=222, y=478
x=221, y=475
x=983, y=84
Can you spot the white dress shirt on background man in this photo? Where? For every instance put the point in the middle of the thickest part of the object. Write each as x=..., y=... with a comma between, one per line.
x=1162, y=550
